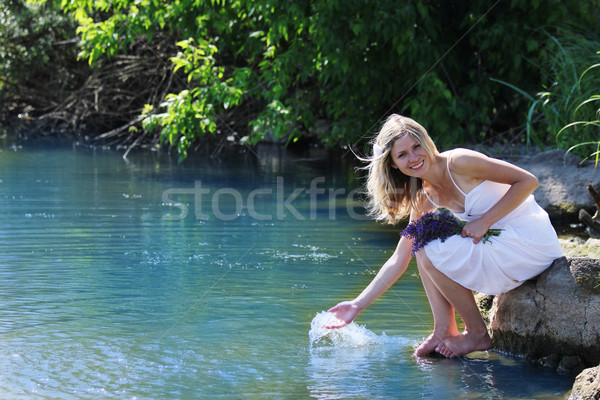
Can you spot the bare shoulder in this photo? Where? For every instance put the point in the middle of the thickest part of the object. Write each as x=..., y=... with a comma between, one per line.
x=465, y=161
x=460, y=157
x=471, y=163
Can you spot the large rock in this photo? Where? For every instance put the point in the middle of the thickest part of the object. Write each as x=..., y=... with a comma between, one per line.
x=587, y=385
x=555, y=318
x=563, y=182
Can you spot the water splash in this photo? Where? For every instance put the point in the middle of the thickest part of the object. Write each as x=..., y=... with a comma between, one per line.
x=351, y=335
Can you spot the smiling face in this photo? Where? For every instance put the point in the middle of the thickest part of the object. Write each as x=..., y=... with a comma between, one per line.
x=409, y=157
x=403, y=156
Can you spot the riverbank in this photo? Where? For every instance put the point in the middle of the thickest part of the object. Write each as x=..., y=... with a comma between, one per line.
x=579, y=247
x=553, y=321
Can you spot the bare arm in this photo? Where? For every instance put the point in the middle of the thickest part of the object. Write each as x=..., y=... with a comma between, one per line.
x=389, y=273
x=472, y=166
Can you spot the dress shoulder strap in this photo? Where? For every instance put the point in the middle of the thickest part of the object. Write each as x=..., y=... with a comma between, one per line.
x=449, y=173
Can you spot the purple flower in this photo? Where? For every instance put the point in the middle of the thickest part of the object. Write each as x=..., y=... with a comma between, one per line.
x=432, y=226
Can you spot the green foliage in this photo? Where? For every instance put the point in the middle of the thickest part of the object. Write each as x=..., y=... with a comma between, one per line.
x=192, y=111
x=348, y=63
x=532, y=135
x=31, y=38
x=587, y=127
x=568, y=103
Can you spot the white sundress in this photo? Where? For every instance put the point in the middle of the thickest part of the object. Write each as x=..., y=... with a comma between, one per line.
x=526, y=246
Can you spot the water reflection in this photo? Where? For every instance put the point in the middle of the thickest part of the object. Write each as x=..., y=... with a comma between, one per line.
x=387, y=370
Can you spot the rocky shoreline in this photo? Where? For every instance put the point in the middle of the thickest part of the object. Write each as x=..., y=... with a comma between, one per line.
x=554, y=321
x=563, y=181
x=579, y=247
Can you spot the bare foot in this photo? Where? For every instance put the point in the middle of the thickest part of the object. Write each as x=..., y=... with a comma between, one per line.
x=428, y=346
x=465, y=343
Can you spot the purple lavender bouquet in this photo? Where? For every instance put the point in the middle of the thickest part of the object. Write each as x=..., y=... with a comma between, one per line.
x=433, y=226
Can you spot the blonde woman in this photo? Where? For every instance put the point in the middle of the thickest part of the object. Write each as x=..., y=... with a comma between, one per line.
x=409, y=177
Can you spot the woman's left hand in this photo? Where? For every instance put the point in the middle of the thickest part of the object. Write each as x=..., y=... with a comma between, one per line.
x=475, y=229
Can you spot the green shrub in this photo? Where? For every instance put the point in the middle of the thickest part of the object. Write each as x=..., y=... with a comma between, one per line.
x=583, y=134
x=565, y=111
x=36, y=46
x=288, y=66
x=571, y=92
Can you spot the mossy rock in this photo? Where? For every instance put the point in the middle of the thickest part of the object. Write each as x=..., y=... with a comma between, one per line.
x=563, y=209
x=586, y=273
x=576, y=247
x=484, y=303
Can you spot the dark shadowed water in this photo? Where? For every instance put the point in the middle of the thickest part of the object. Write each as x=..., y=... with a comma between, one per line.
x=152, y=280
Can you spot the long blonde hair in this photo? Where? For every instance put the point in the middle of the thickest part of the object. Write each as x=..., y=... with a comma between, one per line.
x=392, y=194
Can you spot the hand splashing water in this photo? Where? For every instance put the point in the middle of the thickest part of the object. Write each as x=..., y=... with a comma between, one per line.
x=351, y=335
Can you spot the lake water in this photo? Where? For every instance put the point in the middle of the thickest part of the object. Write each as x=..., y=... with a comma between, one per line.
x=149, y=279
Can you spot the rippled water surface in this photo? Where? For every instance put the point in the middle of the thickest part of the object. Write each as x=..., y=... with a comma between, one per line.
x=152, y=280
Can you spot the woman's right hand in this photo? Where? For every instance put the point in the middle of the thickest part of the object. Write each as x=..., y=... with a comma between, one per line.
x=345, y=313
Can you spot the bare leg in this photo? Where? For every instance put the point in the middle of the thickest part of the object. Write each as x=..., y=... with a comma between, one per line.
x=444, y=324
x=475, y=337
